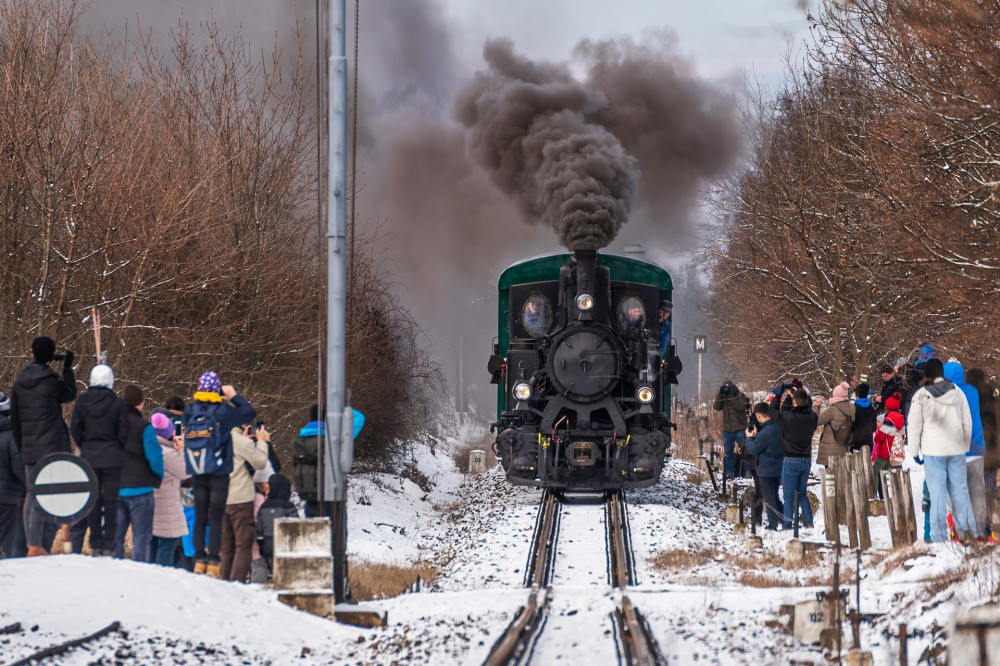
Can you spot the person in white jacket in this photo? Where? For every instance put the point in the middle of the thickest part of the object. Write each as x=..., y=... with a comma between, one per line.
x=939, y=429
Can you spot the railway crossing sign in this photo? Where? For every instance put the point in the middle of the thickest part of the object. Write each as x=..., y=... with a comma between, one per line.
x=64, y=486
x=700, y=344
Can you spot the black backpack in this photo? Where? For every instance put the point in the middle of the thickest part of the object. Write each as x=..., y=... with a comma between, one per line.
x=305, y=464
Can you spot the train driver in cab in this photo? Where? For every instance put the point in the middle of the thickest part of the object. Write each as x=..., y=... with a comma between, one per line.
x=665, y=309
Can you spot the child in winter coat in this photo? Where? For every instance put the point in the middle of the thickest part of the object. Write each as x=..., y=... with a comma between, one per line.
x=885, y=439
x=277, y=505
x=169, y=524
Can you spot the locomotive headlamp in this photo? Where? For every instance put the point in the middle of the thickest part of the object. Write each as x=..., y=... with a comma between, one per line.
x=522, y=391
x=584, y=302
x=644, y=394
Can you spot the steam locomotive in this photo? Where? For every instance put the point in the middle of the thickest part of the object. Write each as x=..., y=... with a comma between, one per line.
x=583, y=388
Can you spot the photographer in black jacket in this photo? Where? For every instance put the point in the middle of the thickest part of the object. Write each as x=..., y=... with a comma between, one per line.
x=37, y=420
x=797, y=421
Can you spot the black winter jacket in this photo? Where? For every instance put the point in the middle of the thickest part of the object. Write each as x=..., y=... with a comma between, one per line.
x=766, y=445
x=894, y=385
x=100, y=427
x=36, y=411
x=136, y=472
x=798, y=425
x=12, y=480
x=864, y=425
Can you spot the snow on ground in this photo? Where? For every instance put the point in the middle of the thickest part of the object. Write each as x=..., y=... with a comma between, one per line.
x=165, y=612
x=708, y=599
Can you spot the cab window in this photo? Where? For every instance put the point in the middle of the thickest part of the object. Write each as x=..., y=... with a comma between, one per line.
x=536, y=315
x=631, y=314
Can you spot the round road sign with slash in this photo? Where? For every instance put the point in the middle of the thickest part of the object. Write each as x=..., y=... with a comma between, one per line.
x=65, y=486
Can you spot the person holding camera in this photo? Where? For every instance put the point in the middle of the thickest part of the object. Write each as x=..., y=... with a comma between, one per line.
x=100, y=428
x=37, y=421
x=731, y=401
x=239, y=529
x=792, y=410
x=764, y=442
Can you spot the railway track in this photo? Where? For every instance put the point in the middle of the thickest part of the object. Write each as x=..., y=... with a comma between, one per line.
x=634, y=642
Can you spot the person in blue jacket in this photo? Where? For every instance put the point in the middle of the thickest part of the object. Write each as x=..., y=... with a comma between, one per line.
x=765, y=443
x=666, y=307
x=974, y=458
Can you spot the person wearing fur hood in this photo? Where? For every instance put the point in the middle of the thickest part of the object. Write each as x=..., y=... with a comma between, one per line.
x=837, y=422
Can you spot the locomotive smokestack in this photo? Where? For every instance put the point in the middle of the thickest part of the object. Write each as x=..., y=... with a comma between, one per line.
x=586, y=281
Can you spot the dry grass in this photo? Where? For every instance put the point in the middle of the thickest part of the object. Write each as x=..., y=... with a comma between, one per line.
x=672, y=561
x=381, y=581
x=483, y=442
x=695, y=477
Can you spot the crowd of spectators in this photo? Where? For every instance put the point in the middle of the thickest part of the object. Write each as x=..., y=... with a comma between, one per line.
x=934, y=414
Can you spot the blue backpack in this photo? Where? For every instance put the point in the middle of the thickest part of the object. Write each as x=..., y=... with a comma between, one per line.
x=203, y=452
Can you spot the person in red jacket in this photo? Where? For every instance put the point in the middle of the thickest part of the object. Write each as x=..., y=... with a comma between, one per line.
x=885, y=438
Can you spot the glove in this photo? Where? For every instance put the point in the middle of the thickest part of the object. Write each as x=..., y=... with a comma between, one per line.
x=918, y=459
x=68, y=359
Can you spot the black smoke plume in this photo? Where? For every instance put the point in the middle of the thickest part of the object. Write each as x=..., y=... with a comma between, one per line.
x=575, y=154
x=528, y=125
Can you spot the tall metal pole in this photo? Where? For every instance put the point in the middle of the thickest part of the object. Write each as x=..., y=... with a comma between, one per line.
x=699, y=383
x=335, y=486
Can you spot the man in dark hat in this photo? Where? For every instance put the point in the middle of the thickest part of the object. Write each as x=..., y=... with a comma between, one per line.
x=666, y=307
x=891, y=383
x=38, y=424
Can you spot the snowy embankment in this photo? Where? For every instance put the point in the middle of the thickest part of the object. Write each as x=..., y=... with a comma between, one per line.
x=707, y=598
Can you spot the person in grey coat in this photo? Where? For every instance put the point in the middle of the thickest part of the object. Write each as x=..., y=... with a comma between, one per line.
x=733, y=404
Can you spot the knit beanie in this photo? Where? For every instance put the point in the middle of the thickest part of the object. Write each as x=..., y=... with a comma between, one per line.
x=840, y=393
x=103, y=376
x=209, y=382
x=163, y=425
x=43, y=349
x=132, y=395
x=892, y=402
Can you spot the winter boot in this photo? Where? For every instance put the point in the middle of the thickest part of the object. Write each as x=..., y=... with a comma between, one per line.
x=200, y=566
x=212, y=570
x=36, y=550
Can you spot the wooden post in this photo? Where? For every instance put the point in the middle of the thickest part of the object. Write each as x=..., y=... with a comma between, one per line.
x=830, y=507
x=891, y=512
x=909, y=513
x=844, y=485
x=902, y=645
x=859, y=498
x=869, y=470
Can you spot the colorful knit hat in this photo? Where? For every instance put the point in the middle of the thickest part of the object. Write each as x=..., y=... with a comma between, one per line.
x=210, y=383
x=163, y=425
x=892, y=402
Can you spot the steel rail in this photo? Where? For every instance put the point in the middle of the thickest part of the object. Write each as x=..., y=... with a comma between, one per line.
x=639, y=647
x=515, y=643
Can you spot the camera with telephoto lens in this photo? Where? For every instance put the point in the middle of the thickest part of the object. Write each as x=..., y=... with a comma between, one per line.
x=728, y=389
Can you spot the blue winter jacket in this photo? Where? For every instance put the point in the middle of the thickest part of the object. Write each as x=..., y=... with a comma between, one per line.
x=955, y=373
x=664, y=336
x=767, y=447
